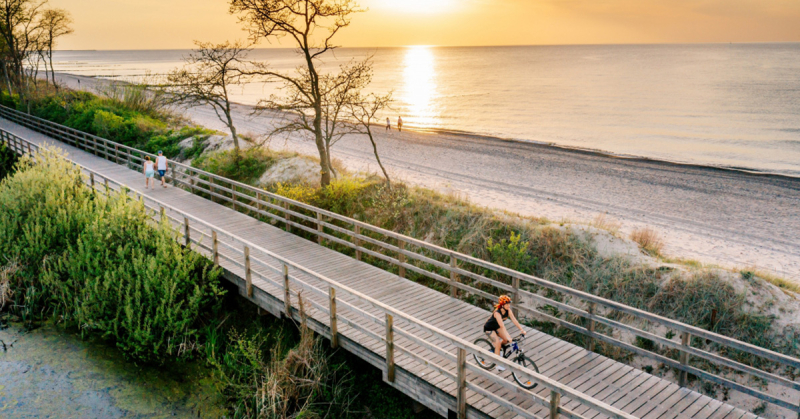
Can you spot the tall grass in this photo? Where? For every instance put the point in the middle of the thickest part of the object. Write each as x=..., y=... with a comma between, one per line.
x=648, y=240
x=97, y=264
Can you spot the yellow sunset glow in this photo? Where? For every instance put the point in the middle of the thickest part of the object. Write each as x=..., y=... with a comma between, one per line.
x=159, y=24
x=418, y=6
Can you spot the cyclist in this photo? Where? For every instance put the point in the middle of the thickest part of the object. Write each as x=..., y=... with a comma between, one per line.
x=496, y=330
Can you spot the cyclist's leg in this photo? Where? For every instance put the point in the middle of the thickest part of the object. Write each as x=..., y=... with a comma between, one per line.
x=503, y=333
x=496, y=341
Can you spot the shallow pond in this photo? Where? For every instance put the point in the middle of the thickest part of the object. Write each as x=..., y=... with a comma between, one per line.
x=50, y=373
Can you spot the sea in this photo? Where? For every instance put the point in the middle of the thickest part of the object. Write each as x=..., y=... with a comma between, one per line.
x=724, y=105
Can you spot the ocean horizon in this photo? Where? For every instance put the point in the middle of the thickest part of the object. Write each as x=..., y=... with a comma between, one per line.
x=722, y=105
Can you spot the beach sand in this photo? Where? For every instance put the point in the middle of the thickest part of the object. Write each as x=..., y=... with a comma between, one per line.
x=715, y=216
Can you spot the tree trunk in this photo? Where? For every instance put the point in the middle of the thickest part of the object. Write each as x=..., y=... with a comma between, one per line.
x=375, y=150
x=324, y=160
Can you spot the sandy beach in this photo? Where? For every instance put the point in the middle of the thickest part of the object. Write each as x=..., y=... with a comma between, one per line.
x=716, y=216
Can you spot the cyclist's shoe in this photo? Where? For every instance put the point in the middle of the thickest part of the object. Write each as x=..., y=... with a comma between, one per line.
x=500, y=368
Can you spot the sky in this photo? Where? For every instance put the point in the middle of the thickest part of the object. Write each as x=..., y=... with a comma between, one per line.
x=175, y=24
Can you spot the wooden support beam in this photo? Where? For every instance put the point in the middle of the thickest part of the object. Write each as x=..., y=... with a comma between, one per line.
x=334, y=326
x=461, y=383
x=590, y=327
x=389, y=348
x=287, y=301
x=247, y=275
x=91, y=180
x=357, y=242
x=515, y=295
x=684, y=357
x=288, y=217
x=555, y=402
x=401, y=258
x=320, y=228
x=453, y=275
x=214, y=248
x=105, y=180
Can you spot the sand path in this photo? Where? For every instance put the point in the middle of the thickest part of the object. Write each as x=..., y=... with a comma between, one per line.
x=715, y=216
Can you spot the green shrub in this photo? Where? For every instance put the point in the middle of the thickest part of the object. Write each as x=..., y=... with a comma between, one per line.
x=512, y=253
x=247, y=168
x=7, y=161
x=97, y=264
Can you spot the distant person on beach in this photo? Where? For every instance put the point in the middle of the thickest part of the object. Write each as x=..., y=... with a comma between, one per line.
x=149, y=172
x=400, y=123
x=161, y=166
x=388, y=124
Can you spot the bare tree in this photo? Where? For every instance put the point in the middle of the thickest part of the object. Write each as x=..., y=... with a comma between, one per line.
x=311, y=26
x=20, y=28
x=206, y=79
x=55, y=23
x=363, y=110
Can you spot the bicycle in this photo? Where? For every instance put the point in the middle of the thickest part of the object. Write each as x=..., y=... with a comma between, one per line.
x=507, y=351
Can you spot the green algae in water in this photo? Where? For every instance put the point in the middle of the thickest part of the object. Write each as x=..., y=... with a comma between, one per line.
x=50, y=373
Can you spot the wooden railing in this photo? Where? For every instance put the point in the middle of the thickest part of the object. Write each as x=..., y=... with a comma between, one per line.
x=326, y=297
x=458, y=272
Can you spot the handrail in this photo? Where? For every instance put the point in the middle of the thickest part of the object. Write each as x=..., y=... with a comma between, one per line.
x=461, y=344
x=240, y=192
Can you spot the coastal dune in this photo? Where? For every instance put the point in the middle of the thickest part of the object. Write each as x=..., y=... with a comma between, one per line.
x=715, y=216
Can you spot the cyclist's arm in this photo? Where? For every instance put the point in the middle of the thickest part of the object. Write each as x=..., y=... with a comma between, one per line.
x=514, y=320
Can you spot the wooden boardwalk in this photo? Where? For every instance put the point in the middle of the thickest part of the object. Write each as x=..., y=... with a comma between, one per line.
x=430, y=383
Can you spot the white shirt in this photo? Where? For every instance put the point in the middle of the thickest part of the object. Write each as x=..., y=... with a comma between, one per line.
x=148, y=166
x=161, y=161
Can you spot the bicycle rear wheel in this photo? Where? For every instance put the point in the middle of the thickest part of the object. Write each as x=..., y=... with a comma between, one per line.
x=484, y=362
x=523, y=380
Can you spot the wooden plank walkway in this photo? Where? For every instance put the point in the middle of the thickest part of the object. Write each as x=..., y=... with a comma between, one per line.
x=631, y=390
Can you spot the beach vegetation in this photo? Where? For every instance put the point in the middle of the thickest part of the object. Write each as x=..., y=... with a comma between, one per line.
x=98, y=265
x=8, y=160
x=649, y=240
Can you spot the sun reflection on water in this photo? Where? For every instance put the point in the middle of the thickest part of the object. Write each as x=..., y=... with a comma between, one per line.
x=419, y=88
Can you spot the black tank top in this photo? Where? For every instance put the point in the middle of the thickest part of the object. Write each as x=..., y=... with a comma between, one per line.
x=491, y=324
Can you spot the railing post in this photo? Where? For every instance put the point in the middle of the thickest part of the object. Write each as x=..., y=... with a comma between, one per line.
x=555, y=402
x=247, y=276
x=163, y=214
x=320, y=229
x=214, y=248
x=461, y=376
x=91, y=181
x=453, y=276
x=684, y=357
x=389, y=348
x=116, y=153
x=258, y=201
x=287, y=216
x=515, y=295
x=186, y=231
x=287, y=302
x=105, y=181
x=30, y=153
x=233, y=195
x=401, y=258
x=334, y=326
x=590, y=327
x=211, y=188
x=357, y=241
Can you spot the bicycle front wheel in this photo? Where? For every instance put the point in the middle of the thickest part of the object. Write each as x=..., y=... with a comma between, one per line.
x=524, y=380
x=484, y=362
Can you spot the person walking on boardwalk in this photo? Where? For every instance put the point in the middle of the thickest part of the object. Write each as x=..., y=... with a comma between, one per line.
x=149, y=172
x=495, y=328
x=400, y=123
x=161, y=166
x=388, y=124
